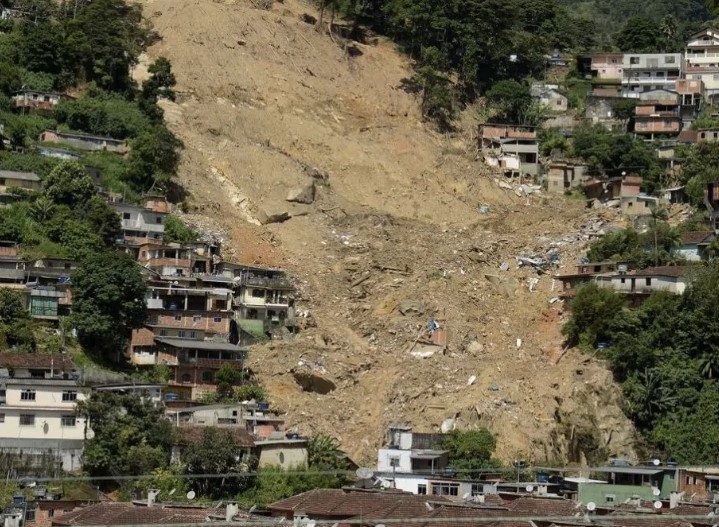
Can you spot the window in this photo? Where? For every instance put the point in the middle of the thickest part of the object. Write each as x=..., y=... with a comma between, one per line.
x=158, y=219
x=660, y=74
x=51, y=513
x=27, y=395
x=648, y=281
x=445, y=489
x=633, y=60
x=422, y=489
x=181, y=334
x=610, y=498
x=624, y=280
x=217, y=318
x=27, y=419
x=69, y=396
x=196, y=318
x=477, y=489
x=186, y=377
x=258, y=293
x=125, y=215
x=2, y=418
x=193, y=334
x=394, y=461
x=630, y=204
x=163, y=332
x=69, y=420
x=669, y=59
x=207, y=376
x=30, y=515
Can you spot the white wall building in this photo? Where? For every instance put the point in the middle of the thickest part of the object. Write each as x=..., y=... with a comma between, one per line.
x=140, y=224
x=38, y=418
x=672, y=279
x=650, y=71
x=701, y=60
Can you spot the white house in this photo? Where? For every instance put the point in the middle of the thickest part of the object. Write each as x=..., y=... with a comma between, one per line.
x=38, y=413
x=650, y=71
x=140, y=224
x=702, y=60
x=694, y=245
x=411, y=453
x=673, y=279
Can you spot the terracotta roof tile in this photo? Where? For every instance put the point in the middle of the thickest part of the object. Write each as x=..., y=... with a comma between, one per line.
x=110, y=513
x=694, y=237
x=532, y=506
x=190, y=435
x=11, y=359
x=349, y=503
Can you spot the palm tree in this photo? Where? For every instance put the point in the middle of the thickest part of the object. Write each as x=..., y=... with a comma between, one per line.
x=669, y=28
x=324, y=451
x=659, y=213
x=709, y=364
x=43, y=208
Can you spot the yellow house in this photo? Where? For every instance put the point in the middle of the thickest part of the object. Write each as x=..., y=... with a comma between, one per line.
x=11, y=179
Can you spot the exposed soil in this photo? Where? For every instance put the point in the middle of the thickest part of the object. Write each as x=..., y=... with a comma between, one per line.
x=267, y=104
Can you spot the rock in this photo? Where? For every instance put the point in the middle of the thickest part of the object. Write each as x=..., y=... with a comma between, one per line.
x=312, y=382
x=304, y=194
x=410, y=308
x=272, y=215
x=475, y=347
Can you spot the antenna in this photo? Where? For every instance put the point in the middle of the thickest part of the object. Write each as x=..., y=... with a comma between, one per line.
x=364, y=473
x=657, y=504
x=656, y=491
x=591, y=506
x=190, y=495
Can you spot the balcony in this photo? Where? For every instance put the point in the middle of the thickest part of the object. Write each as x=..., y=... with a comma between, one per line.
x=650, y=80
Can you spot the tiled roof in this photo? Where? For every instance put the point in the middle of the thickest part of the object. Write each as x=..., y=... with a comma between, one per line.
x=11, y=359
x=24, y=176
x=694, y=237
x=348, y=503
x=668, y=270
x=110, y=513
x=687, y=136
x=531, y=506
x=190, y=435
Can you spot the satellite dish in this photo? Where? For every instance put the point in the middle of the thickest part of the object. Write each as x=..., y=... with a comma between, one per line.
x=428, y=505
x=364, y=473
x=190, y=495
x=591, y=506
x=89, y=434
x=657, y=504
x=171, y=492
x=45, y=427
x=656, y=491
x=466, y=496
x=529, y=488
x=657, y=462
x=252, y=509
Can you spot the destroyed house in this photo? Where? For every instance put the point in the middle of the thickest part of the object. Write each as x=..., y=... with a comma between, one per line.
x=33, y=99
x=563, y=176
x=84, y=141
x=519, y=142
x=411, y=452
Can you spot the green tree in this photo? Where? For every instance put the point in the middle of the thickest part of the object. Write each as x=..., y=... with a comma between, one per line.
x=593, y=312
x=154, y=157
x=103, y=220
x=226, y=377
x=69, y=184
x=216, y=453
x=510, y=100
x=639, y=35
x=16, y=330
x=470, y=449
x=10, y=80
x=108, y=302
x=324, y=453
x=177, y=231
x=130, y=436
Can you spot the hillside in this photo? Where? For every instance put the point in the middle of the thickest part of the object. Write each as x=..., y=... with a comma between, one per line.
x=266, y=104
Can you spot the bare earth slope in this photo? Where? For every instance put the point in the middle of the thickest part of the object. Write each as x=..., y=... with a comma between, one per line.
x=265, y=104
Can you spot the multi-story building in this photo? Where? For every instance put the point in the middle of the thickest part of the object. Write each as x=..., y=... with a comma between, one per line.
x=701, y=60
x=39, y=424
x=692, y=94
x=12, y=266
x=658, y=116
x=142, y=225
x=607, y=66
x=174, y=259
x=650, y=71
x=38, y=100
x=11, y=180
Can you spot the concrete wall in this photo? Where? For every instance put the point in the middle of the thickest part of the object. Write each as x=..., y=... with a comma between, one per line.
x=689, y=252
x=285, y=455
x=598, y=492
x=385, y=455
x=645, y=284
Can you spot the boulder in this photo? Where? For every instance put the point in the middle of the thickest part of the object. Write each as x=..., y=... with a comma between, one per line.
x=304, y=194
x=267, y=215
x=312, y=382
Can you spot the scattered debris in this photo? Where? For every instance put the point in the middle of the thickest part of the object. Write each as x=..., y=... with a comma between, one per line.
x=504, y=267
x=519, y=343
x=532, y=283
x=304, y=194
x=471, y=380
x=484, y=209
